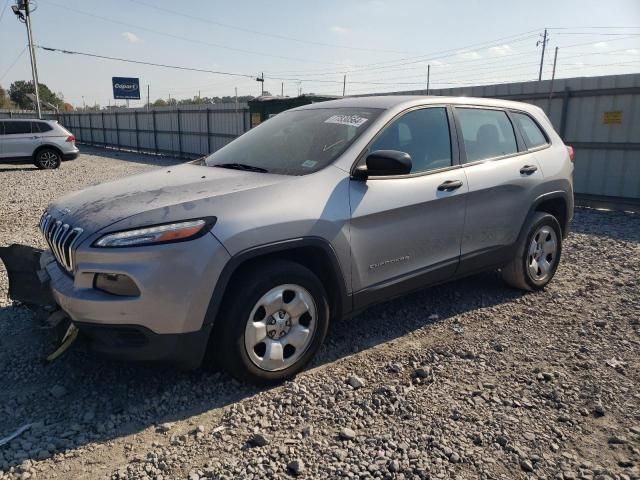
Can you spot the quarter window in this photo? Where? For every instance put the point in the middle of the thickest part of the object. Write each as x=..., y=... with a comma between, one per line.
x=41, y=127
x=14, y=128
x=486, y=133
x=423, y=134
x=533, y=136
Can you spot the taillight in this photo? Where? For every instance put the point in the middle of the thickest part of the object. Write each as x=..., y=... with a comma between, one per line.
x=571, y=152
x=71, y=138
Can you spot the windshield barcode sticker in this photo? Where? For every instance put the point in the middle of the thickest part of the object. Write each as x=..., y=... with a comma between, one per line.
x=350, y=120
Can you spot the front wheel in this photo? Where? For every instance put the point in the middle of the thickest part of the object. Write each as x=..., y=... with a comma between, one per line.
x=273, y=321
x=47, y=159
x=538, y=254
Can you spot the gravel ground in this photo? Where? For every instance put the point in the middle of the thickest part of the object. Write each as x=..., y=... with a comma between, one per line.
x=465, y=380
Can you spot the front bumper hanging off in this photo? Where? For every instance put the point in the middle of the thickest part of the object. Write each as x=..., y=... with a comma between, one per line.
x=124, y=341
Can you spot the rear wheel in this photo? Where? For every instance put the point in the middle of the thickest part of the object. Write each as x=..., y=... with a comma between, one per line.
x=47, y=159
x=271, y=324
x=538, y=254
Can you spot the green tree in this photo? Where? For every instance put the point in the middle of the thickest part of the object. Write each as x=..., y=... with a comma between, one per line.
x=4, y=100
x=18, y=93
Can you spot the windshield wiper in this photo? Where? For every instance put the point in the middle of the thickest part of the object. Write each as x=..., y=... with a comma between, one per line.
x=242, y=166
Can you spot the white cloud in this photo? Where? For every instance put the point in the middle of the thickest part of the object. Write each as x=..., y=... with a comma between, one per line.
x=632, y=51
x=131, y=37
x=502, y=49
x=601, y=45
x=339, y=29
x=469, y=55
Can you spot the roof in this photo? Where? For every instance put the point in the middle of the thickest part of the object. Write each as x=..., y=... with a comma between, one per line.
x=27, y=119
x=276, y=98
x=393, y=101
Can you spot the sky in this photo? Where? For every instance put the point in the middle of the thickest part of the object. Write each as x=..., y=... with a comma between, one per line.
x=380, y=45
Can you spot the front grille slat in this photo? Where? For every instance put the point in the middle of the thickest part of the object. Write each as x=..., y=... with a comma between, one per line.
x=62, y=238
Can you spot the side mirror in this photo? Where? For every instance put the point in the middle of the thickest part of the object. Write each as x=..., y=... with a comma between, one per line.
x=384, y=162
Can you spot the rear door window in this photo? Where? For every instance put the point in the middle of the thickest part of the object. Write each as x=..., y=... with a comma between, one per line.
x=531, y=132
x=486, y=133
x=14, y=128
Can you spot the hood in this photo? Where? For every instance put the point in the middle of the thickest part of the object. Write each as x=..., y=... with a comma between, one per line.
x=182, y=186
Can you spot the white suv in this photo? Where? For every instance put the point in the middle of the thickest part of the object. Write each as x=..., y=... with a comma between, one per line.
x=45, y=143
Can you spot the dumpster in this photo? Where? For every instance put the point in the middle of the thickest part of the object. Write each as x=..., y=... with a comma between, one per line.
x=263, y=108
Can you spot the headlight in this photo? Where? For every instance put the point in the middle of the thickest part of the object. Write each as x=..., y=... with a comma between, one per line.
x=166, y=233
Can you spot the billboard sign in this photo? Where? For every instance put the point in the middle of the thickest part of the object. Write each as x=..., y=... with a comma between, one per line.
x=126, y=88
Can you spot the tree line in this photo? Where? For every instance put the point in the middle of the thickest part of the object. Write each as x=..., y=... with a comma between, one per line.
x=17, y=97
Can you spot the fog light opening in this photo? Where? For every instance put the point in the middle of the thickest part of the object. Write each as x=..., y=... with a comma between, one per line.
x=116, y=284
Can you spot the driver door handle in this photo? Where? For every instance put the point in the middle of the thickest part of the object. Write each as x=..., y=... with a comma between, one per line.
x=528, y=169
x=450, y=185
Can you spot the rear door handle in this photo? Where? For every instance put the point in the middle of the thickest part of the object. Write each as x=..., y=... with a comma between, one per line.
x=528, y=169
x=450, y=185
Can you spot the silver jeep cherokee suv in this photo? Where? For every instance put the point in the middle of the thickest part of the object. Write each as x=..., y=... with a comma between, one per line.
x=242, y=258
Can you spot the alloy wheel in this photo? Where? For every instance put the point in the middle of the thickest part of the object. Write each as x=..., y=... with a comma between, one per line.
x=48, y=159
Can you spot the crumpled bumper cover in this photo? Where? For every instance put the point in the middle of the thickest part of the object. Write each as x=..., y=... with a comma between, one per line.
x=166, y=322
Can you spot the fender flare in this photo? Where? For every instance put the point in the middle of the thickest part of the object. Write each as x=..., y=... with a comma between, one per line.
x=47, y=145
x=236, y=261
x=542, y=198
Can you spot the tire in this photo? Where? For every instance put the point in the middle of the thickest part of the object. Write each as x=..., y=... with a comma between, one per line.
x=273, y=303
x=47, y=159
x=538, y=254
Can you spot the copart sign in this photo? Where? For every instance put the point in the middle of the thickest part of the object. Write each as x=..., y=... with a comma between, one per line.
x=126, y=88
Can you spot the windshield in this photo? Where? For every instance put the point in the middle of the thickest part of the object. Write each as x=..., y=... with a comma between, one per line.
x=296, y=142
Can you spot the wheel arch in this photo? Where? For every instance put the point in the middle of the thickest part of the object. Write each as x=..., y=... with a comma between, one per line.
x=47, y=146
x=314, y=253
x=556, y=203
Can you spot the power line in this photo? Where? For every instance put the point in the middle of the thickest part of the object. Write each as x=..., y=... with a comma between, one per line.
x=191, y=40
x=6, y=4
x=176, y=67
x=475, y=65
x=599, y=27
x=13, y=63
x=428, y=57
x=392, y=65
x=617, y=34
x=209, y=21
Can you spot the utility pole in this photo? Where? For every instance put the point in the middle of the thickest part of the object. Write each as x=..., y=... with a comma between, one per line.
x=261, y=80
x=282, y=90
x=26, y=18
x=544, y=41
x=148, y=100
x=344, y=84
x=428, y=76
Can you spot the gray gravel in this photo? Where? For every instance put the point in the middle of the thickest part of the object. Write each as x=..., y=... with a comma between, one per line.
x=466, y=380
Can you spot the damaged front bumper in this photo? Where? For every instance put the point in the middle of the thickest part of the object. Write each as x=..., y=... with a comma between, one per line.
x=158, y=325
